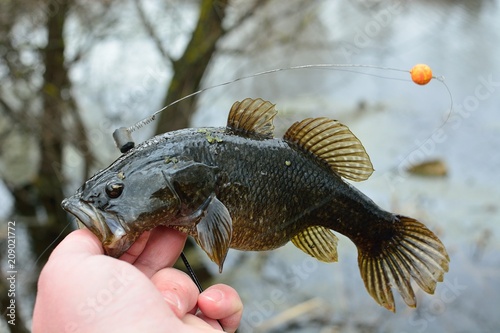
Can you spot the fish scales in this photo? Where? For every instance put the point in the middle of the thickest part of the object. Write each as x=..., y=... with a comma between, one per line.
x=274, y=201
x=239, y=187
x=265, y=197
x=270, y=201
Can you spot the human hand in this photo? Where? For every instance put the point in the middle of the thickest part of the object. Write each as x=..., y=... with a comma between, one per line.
x=82, y=290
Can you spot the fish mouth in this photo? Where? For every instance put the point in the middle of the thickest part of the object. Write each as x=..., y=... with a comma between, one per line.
x=106, y=226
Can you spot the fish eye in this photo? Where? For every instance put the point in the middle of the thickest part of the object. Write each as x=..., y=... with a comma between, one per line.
x=114, y=190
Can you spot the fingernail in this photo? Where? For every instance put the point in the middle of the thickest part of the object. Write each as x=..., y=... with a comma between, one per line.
x=214, y=295
x=172, y=299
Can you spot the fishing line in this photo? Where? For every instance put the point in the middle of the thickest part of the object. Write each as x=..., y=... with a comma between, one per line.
x=52, y=243
x=420, y=74
x=191, y=272
x=441, y=79
x=368, y=74
x=152, y=117
x=195, y=279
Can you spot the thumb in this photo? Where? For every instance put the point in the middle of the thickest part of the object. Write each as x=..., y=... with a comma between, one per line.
x=81, y=243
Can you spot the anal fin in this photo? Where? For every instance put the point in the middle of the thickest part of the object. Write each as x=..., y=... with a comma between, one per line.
x=214, y=231
x=318, y=242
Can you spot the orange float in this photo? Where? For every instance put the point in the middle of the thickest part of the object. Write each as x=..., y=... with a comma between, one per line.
x=421, y=74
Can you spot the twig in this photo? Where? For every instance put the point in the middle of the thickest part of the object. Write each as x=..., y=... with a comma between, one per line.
x=150, y=30
x=291, y=314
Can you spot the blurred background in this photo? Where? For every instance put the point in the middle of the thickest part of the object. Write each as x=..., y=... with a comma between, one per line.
x=71, y=72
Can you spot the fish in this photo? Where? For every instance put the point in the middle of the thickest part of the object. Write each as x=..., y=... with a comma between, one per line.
x=240, y=187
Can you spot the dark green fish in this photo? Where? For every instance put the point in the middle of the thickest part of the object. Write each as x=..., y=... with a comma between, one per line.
x=238, y=187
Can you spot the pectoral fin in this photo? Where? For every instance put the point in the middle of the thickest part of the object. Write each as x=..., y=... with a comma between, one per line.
x=214, y=231
x=318, y=242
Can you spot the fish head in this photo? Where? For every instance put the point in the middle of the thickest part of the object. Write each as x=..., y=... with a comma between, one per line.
x=119, y=203
x=117, y=206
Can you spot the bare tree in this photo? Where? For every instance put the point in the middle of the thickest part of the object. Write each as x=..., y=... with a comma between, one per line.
x=211, y=28
x=190, y=67
x=35, y=102
x=37, y=105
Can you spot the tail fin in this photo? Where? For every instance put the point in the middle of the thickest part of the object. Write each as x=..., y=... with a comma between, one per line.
x=414, y=251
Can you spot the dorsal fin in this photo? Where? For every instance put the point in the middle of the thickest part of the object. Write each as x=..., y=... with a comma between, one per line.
x=335, y=144
x=318, y=242
x=252, y=118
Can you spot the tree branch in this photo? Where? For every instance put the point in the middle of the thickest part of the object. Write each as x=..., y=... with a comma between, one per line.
x=18, y=119
x=80, y=138
x=249, y=13
x=191, y=66
x=151, y=32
